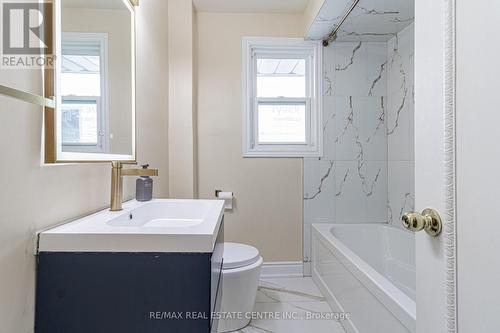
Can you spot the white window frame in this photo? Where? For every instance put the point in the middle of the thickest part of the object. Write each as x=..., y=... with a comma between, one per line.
x=103, y=145
x=88, y=147
x=282, y=48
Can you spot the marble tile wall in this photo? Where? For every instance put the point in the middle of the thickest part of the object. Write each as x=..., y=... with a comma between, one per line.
x=366, y=172
x=400, y=130
x=349, y=183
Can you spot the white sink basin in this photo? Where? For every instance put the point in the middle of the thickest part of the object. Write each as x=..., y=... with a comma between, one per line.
x=163, y=225
x=164, y=214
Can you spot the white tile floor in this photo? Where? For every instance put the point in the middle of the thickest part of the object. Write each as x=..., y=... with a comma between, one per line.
x=298, y=296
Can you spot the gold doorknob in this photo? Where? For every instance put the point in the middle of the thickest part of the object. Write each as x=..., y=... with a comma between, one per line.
x=429, y=220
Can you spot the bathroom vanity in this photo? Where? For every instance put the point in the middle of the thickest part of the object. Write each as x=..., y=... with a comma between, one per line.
x=152, y=267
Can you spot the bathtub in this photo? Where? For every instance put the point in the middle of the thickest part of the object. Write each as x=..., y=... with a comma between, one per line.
x=367, y=270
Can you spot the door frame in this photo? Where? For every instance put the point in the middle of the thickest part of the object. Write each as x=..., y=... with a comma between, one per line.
x=450, y=213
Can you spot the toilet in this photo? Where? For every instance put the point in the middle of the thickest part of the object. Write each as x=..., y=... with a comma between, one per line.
x=240, y=279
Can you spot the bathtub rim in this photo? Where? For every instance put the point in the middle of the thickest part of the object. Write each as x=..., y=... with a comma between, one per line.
x=395, y=300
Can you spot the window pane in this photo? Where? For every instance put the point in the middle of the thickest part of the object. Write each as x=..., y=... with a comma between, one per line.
x=80, y=75
x=79, y=123
x=80, y=84
x=282, y=123
x=281, y=78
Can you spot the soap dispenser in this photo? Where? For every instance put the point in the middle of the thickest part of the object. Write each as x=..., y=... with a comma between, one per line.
x=144, y=187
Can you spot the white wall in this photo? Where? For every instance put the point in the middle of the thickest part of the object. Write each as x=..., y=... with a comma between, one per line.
x=310, y=13
x=268, y=192
x=34, y=196
x=181, y=138
x=478, y=160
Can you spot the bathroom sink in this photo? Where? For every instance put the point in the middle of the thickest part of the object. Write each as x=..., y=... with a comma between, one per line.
x=164, y=214
x=162, y=225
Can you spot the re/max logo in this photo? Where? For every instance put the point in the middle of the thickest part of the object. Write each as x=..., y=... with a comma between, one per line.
x=170, y=315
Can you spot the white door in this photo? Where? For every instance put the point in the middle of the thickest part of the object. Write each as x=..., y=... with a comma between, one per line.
x=457, y=158
x=435, y=176
x=478, y=162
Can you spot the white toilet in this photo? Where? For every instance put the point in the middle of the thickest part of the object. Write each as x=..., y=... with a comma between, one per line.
x=240, y=274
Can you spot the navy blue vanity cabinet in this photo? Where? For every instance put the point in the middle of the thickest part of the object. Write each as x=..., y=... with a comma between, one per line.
x=128, y=292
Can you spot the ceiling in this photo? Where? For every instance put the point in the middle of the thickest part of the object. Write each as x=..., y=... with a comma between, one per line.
x=371, y=20
x=251, y=6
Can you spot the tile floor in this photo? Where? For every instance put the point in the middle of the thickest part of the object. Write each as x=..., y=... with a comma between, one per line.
x=291, y=295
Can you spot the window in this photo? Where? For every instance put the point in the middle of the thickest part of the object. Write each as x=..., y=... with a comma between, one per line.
x=282, y=102
x=84, y=110
x=80, y=121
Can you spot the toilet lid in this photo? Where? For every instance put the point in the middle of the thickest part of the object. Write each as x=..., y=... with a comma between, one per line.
x=239, y=255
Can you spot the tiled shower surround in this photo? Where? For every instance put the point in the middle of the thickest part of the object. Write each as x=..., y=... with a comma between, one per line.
x=366, y=172
x=400, y=130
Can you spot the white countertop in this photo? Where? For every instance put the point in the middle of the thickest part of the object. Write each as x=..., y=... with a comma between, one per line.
x=161, y=225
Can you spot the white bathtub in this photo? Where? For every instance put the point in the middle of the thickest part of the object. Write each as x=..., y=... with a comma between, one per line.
x=367, y=270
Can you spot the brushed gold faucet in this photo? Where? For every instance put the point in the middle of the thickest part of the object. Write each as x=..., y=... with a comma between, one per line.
x=117, y=174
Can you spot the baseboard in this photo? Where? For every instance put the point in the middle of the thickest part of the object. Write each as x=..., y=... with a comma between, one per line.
x=276, y=269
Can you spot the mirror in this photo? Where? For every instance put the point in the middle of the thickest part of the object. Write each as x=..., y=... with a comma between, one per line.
x=95, y=81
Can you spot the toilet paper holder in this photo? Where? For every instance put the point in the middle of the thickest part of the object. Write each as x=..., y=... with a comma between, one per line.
x=217, y=192
x=228, y=198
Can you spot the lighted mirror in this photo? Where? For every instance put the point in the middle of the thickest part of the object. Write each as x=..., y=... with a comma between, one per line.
x=95, y=81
